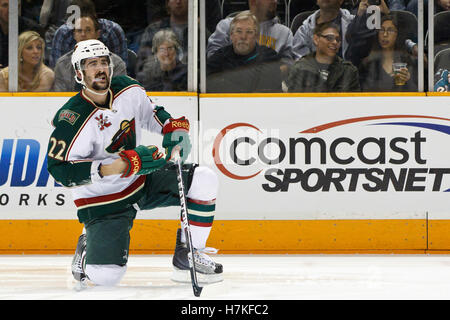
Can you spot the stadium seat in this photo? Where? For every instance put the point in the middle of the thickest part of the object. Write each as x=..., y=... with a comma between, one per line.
x=298, y=20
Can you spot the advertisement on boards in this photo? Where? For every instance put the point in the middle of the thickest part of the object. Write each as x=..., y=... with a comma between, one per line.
x=27, y=191
x=328, y=158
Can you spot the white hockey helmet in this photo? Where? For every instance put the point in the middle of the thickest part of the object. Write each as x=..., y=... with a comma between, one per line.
x=89, y=49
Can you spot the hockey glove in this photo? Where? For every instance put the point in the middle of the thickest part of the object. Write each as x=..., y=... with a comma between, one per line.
x=142, y=160
x=176, y=133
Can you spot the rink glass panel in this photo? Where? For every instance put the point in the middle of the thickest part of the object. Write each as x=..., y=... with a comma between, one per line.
x=123, y=26
x=140, y=14
x=409, y=39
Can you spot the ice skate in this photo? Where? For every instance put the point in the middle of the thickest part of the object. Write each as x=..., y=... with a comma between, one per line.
x=208, y=271
x=78, y=261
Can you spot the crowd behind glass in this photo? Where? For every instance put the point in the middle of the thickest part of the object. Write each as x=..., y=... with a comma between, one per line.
x=251, y=46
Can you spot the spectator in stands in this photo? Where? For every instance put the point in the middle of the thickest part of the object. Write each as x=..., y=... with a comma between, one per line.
x=329, y=11
x=244, y=65
x=177, y=21
x=130, y=15
x=441, y=5
x=4, y=20
x=299, y=6
x=350, y=5
x=359, y=35
x=156, y=10
x=34, y=75
x=443, y=81
x=213, y=13
x=272, y=33
x=397, y=4
x=111, y=35
x=442, y=26
x=25, y=24
x=85, y=28
x=323, y=70
x=353, y=5
x=165, y=72
x=52, y=15
x=376, y=70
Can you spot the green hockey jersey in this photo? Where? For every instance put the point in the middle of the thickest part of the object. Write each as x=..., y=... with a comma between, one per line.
x=86, y=135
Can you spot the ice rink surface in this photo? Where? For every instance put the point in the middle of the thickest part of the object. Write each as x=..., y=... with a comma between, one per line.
x=246, y=277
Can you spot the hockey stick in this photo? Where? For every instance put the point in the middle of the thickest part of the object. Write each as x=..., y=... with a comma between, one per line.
x=186, y=227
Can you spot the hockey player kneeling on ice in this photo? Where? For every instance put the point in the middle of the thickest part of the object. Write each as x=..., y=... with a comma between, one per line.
x=95, y=150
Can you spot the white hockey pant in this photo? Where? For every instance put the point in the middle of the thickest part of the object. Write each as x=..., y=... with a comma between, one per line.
x=105, y=274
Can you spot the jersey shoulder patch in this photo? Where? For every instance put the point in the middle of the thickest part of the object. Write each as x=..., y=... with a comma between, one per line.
x=73, y=112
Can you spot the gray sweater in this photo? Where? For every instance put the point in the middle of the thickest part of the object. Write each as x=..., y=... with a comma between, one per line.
x=272, y=34
x=303, y=39
x=65, y=75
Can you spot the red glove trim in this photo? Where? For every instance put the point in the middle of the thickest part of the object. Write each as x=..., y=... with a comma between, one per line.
x=133, y=160
x=176, y=124
x=157, y=155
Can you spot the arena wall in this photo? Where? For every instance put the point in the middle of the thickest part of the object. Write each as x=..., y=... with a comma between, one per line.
x=324, y=173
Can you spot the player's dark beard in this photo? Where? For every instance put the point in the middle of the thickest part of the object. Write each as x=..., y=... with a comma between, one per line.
x=97, y=86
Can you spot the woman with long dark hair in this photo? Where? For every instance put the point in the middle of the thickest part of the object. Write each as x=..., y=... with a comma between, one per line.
x=377, y=71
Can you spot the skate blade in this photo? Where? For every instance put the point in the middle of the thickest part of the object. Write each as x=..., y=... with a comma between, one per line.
x=184, y=276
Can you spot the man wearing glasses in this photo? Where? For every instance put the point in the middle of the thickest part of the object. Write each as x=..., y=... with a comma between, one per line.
x=86, y=27
x=330, y=11
x=271, y=32
x=244, y=65
x=323, y=70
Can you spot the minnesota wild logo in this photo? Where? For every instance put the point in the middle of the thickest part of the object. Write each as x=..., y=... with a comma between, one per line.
x=125, y=137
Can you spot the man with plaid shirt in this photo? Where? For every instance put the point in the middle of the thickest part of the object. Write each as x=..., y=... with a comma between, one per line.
x=111, y=34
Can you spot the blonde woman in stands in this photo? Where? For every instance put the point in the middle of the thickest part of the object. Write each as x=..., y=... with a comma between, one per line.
x=34, y=75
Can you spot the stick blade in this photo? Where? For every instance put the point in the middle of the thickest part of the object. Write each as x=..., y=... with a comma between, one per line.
x=197, y=290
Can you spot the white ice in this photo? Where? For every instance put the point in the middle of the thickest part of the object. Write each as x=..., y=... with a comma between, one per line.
x=275, y=277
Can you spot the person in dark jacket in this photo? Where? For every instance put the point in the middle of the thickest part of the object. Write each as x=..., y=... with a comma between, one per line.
x=244, y=66
x=374, y=51
x=323, y=70
x=177, y=21
x=376, y=70
x=165, y=71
